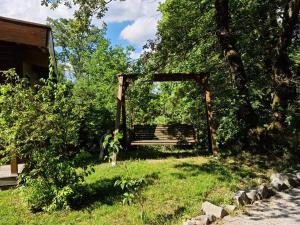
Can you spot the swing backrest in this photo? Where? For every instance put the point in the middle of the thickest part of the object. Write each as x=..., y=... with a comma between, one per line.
x=175, y=134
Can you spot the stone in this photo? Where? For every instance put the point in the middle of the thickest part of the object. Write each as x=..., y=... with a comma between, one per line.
x=271, y=190
x=293, y=180
x=279, y=186
x=263, y=192
x=211, y=218
x=201, y=220
x=189, y=222
x=241, y=198
x=230, y=208
x=277, y=177
x=211, y=209
x=298, y=175
x=252, y=195
x=289, y=179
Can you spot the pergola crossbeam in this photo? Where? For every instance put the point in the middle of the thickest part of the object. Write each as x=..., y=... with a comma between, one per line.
x=161, y=77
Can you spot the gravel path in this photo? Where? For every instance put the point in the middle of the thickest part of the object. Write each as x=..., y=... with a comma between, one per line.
x=281, y=209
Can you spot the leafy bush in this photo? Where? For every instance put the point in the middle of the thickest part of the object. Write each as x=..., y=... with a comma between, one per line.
x=40, y=123
x=112, y=143
x=130, y=187
x=95, y=117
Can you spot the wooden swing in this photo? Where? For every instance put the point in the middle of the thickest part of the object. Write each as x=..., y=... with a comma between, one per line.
x=176, y=134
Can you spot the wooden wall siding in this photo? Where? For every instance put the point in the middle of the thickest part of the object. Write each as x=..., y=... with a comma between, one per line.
x=33, y=45
x=35, y=56
x=23, y=33
x=29, y=61
x=9, y=57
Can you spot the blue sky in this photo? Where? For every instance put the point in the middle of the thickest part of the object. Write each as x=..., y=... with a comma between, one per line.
x=130, y=22
x=113, y=34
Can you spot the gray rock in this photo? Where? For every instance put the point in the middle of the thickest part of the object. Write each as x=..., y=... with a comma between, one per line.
x=211, y=218
x=189, y=222
x=211, y=209
x=289, y=180
x=263, y=191
x=200, y=220
x=271, y=190
x=252, y=195
x=204, y=219
x=298, y=175
x=278, y=177
x=230, y=208
x=293, y=180
x=279, y=186
x=241, y=198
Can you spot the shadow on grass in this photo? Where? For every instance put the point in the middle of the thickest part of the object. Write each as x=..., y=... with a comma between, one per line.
x=285, y=163
x=165, y=218
x=104, y=191
x=225, y=172
x=145, y=152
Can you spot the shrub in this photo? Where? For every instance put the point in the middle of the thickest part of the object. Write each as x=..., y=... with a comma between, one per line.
x=112, y=143
x=41, y=125
x=130, y=188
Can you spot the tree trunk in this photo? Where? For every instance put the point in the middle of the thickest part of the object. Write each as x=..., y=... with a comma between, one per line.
x=114, y=159
x=284, y=88
x=227, y=42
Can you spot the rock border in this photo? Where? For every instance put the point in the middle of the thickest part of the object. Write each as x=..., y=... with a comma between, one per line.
x=279, y=182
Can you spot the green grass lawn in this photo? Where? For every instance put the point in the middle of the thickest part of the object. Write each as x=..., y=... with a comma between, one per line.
x=178, y=187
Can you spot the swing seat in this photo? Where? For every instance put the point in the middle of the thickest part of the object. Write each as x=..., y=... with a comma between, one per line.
x=175, y=135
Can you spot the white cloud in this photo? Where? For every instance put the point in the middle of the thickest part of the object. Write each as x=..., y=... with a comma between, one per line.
x=143, y=14
x=131, y=10
x=140, y=31
x=31, y=10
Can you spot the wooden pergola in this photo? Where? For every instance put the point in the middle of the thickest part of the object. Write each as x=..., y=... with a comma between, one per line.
x=200, y=78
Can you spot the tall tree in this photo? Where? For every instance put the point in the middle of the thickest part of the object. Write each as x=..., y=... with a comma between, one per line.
x=231, y=53
x=284, y=85
x=75, y=44
x=94, y=65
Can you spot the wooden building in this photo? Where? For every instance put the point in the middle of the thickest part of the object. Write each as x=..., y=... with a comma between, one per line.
x=26, y=47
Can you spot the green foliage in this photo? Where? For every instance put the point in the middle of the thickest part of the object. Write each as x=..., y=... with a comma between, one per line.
x=112, y=143
x=186, y=41
x=41, y=125
x=130, y=187
x=92, y=65
x=51, y=125
x=227, y=130
x=76, y=44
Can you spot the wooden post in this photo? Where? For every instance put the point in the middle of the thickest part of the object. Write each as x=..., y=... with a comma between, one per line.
x=119, y=102
x=212, y=145
x=123, y=109
x=13, y=164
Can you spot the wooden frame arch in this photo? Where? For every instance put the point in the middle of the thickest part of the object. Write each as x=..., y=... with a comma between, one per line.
x=200, y=78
